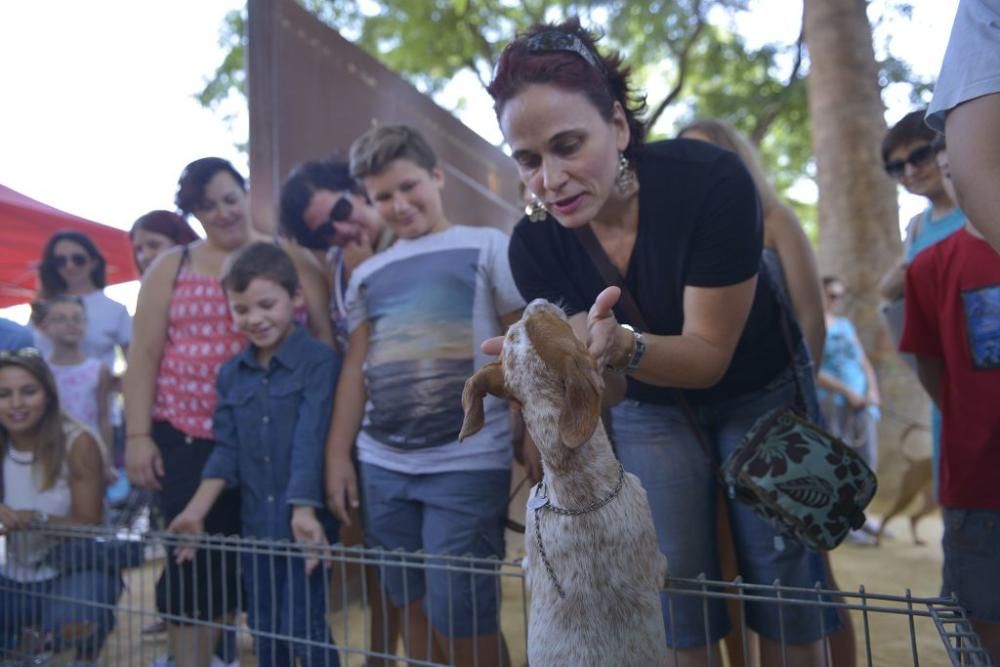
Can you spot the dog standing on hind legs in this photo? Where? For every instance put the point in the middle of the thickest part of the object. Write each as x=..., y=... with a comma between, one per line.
x=593, y=565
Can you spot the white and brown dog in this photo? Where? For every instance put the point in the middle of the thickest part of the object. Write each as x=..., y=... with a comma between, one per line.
x=593, y=565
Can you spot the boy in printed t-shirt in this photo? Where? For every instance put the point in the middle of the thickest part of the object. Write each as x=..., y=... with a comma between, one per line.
x=417, y=314
x=953, y=328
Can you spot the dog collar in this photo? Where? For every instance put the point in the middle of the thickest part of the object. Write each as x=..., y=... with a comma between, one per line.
x=540, y=501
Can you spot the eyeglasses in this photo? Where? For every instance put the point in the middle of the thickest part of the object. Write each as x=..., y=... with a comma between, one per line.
x=557, y=40
x=918, y=157
x=22, y=353
x=834, y=296
x=340, y=212
x=78, y=259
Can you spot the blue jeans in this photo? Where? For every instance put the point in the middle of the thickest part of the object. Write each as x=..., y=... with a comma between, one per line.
x=283, y=602
x=54, y=605
x=655, y=443
x=449, y=514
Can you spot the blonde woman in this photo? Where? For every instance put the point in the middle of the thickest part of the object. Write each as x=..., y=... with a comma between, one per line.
x=787, y=251
x=792, y=264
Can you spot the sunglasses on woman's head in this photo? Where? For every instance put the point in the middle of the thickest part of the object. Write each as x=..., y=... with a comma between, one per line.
x=557, y=40
x=78, y=259
x=22, y=353
x=918, y=157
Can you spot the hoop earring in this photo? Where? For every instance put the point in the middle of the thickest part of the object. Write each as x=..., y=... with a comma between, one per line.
x=625, y=177
x=535, y=210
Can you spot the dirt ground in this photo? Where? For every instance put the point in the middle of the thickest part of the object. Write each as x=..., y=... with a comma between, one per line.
x=893, y=568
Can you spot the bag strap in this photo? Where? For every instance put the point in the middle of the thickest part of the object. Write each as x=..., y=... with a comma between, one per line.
x=613, y=277
x=786, y=333
x=185, y=255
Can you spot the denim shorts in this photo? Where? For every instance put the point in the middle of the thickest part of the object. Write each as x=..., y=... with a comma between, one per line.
x=655, y=443
x=449, y=514
x=972, y=561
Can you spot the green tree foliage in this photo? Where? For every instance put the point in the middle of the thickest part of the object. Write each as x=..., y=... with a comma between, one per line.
x=705, y=68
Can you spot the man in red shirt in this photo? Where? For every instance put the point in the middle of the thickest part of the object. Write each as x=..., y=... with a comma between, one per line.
x=953, y=327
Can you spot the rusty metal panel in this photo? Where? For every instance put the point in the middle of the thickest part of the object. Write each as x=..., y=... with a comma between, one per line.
x=312, y=92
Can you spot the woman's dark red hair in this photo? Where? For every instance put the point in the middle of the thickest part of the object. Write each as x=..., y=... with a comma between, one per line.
x=165, y=223
x=519, y=66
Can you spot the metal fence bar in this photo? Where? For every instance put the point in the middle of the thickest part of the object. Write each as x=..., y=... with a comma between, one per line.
x=867, y=627
x=274, y=569
x=911, y=626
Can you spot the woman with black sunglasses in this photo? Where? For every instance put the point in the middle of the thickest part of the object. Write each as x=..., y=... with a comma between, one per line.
x=325, y=210
x=73, y=265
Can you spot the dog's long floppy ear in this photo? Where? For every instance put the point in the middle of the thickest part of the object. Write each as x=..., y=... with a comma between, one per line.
x=581, y=407
x=487, y=380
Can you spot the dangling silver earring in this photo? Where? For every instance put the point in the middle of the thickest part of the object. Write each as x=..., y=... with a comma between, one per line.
x=535, y=210
x=625, y=178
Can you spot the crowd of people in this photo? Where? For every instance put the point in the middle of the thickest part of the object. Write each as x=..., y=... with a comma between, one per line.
x=285, y=387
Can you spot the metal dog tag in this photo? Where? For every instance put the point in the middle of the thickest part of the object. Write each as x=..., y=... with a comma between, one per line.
x=537, y=502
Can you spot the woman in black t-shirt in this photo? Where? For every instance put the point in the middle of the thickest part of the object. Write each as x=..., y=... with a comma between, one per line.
x=681, y=222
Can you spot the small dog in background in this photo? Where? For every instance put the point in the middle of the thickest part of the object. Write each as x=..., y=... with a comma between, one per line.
x=918, y=480
x=593, y=565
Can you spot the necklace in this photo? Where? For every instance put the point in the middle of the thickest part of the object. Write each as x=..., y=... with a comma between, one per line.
x=540, y=502
x=24, y=462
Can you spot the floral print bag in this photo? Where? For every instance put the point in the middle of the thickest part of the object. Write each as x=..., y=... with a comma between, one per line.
x=805, y=482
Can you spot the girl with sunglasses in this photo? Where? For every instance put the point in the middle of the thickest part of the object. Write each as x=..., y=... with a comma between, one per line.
x=680, y=221
x=72, y=265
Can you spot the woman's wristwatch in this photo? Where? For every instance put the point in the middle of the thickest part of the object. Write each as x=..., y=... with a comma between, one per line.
x=638, y=348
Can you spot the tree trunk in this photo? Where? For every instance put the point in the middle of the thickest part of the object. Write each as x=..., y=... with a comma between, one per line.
x=858, y=214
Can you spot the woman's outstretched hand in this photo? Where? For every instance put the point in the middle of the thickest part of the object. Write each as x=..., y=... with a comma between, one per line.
x=609, y=344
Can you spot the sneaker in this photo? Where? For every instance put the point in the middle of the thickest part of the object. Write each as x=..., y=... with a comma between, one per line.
x=861, y=538
x=217, y=662
x=157, y=627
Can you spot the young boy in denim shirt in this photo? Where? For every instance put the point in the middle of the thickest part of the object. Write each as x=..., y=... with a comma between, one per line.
x=270, y=425
x=417, y=314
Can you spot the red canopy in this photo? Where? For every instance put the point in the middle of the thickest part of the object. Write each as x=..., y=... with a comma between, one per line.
x=25, y=226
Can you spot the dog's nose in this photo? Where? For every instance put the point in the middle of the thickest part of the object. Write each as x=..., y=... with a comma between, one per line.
x=537, y=305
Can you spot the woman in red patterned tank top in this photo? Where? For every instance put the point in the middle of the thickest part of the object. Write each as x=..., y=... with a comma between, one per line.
x=182, y=334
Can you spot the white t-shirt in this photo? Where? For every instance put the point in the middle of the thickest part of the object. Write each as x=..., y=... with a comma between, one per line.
x=108, y=325
x=430, y=302
x=971, y=66
x=25, y=552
